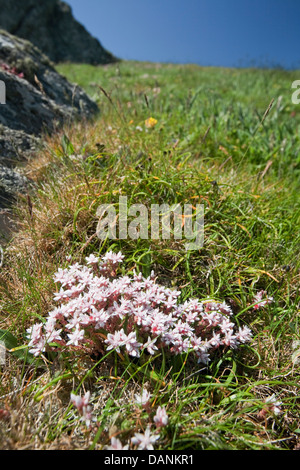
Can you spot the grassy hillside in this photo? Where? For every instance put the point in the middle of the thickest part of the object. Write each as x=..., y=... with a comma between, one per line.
x=225, y=138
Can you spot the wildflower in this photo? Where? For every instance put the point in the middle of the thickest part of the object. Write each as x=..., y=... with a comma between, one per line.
x=158, y=325
x=180, y=344
x=76, y=337
x=116, y=340
x=113, y=258
x=225, y=309
x=99, y=318
x=215, y=340
x=52, y=334
x=37, y=339
x=262, y=300
x=122, y=310
x=273, y=404
x=150, y=346
x=145, y=441
x=132, y=345
x=150, y=123
x=92, y=259
x=203, y=356
x=110, y=262
x=170, y=303
x=84, y=408
x=144, y=398
x=116, y=444
x=226, y=326
x=244, y=334
x=230, y=339
x=61, y=276
x=140, y=315
x=161, y=418
x=80, y=402
x=55, y=314
x=183, y=328
x=211, y=318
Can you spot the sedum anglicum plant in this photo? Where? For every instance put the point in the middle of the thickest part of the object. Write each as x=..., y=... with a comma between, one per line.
x=100, y=310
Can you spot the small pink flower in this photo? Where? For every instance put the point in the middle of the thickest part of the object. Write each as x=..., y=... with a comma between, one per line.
x=145, y=441
x=244, y=334
x=37, y=342
x=92, y=260
x=52, y=334
x=110, y=262
x=116, y=444
x=83, y=407
x=144, y=398
x=226, y=326
x=132, y=345
x=80, y=402
x=271, y=407
x=150, y=346
x=273, y=404
x=116, y=340
x=76, y=337
x=262, y=299
x=230, y=339
x=161, y=418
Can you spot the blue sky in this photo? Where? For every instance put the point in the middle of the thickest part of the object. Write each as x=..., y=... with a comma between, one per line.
x=227, y=33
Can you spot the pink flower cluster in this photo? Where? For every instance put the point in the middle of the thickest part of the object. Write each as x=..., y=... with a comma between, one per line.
x=99, y=310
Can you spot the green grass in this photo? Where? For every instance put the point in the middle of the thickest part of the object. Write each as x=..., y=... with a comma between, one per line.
x=214, y=144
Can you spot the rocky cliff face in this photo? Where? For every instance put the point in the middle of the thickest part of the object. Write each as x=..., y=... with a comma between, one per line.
x=50, y=25
x=37, y=99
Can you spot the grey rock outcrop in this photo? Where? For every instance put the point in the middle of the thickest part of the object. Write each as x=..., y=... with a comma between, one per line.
x=50, y=25
x=37, y=100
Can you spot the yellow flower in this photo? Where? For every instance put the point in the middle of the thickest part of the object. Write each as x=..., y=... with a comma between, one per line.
x=151, y=122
